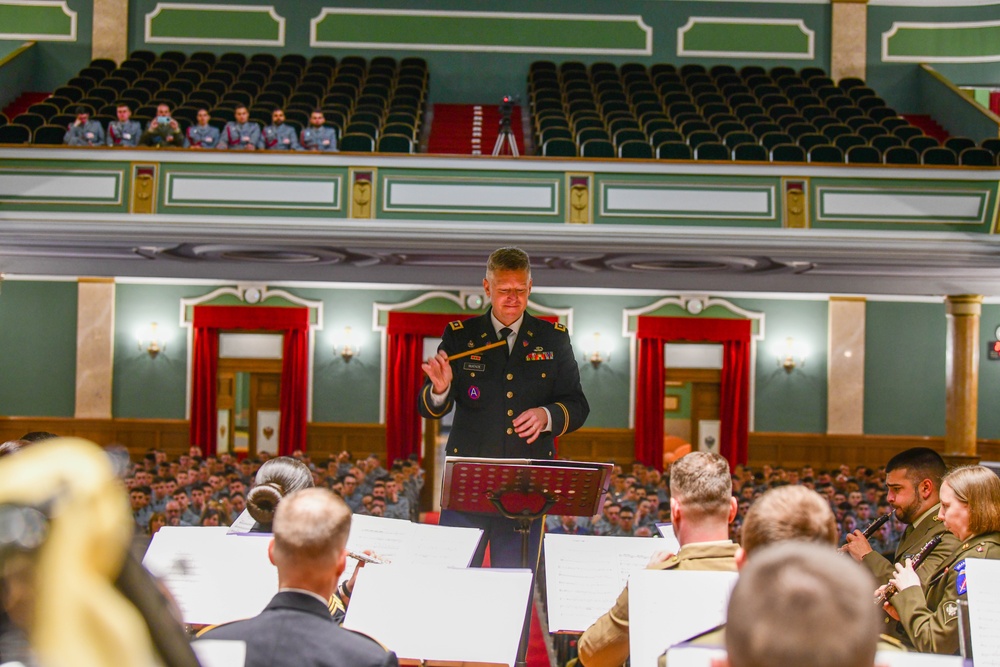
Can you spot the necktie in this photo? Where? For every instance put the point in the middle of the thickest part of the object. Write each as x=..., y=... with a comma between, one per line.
x=504, y=336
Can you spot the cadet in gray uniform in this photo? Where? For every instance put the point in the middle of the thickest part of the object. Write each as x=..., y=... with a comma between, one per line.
x=277, y=136
x=202, y=135
x=241, y=134
x=318, y=137
x=83, y=131
x=124, y=131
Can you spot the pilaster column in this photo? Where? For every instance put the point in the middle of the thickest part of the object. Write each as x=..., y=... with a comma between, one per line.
x=845, y=395
x=962, y=377
x=95, y=325
x=110, y=39
x=848, y=35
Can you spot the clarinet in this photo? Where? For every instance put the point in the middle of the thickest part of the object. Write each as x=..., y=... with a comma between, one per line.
x=890, y=589
x=876, y=524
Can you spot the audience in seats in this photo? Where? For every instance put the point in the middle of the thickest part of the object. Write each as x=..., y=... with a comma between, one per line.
x=163, y=131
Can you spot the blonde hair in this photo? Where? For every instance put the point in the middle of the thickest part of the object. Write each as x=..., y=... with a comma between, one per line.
x=508, y=258
x=979, y=488
x=702, y=482
x=311, y=525
x=789, y=513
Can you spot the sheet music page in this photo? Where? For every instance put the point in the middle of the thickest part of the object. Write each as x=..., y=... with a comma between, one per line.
x=913, y=659
x=244, y=522
x=386, y=537
x=214, y=577
x=983, y=578
x=693, y=656
x=442, y=546
x=657, y=620
x=584, y=575
x=220, y=653
x=471, y=615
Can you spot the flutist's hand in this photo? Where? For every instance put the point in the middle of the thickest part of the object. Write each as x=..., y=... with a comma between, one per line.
x=887, y=606
x=857, y=545
x=905, y=576
x=438, y=370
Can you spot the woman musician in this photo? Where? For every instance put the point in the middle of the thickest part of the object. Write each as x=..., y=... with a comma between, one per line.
x=970, y=509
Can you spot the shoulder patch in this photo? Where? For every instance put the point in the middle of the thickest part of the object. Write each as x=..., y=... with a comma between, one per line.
x=456, y=325
x=559, y=326
x=950, y=611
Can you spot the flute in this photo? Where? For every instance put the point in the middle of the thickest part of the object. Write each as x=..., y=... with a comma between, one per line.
x=925, y=551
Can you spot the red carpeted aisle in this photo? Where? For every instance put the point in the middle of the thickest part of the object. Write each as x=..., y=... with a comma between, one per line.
x=538, y=653
x=469, y=129
x=21, y=104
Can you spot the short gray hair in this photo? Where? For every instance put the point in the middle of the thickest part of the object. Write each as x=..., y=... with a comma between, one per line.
x=311, y=525
x=702, y=482
x=508, y=258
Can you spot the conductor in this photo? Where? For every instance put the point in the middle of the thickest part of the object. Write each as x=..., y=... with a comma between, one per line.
x=511, y=400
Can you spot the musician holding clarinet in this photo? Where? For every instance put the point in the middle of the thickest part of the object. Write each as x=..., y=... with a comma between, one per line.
x=514, y=383
x=913, y=479
x=970, y=510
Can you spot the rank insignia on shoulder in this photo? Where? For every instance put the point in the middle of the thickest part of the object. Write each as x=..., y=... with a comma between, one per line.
x=456, y=325
x=559, y=327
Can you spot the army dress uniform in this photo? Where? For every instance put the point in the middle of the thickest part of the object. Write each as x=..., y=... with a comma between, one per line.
x=491, y=389
x=198, y=136
x=124, y=134
x=239, y=136
x=929, y=613
x=279, y=138
x=923, y=529
x=606, y=642
x=323, y=139
x=297, y=628
x=89, y=134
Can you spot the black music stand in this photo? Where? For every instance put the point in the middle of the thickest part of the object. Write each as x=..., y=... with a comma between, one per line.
x=524, y=490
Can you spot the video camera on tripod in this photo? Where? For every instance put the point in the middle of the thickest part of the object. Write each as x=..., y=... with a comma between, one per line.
x=505, y=137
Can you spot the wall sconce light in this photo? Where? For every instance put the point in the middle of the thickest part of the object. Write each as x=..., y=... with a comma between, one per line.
x=595, y=350
x=151, y=341
x=790, y=355
x=347, y=345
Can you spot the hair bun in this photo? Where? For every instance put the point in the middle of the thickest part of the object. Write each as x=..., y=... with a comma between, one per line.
x=263, y=500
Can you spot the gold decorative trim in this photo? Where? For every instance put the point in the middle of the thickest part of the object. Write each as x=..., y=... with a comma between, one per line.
x=364, y=183
x=580, y=198
x=145, y=177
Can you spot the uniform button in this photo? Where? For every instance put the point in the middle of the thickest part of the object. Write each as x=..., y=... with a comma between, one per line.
x=510, y=394
x=455, y=451
x=510, y=376
x=543, y=374
x=510, y=413
x=472, y=375
x=509, y=431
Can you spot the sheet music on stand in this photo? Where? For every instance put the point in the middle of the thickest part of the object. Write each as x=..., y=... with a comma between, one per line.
x=584, y=574
x=657, y=621
x=474, y=615
x=685, y=655
x=983, y=579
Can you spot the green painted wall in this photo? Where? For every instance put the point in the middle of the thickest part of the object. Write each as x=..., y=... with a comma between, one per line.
x=905, y=368
x=791, y=402
x=989, y=375
x=146, y=388
x=55, y=62
x=38, y=349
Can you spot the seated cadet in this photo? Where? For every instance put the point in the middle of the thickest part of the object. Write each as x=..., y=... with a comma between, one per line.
x=296, y=628
x=317, y=137
x=702, y=506
x=970, y=510
x=799, y=604
x=201, y=134
x=241, y=134
x=124, y=131
x=162, y=130
x=277, y=136
x=83, y=131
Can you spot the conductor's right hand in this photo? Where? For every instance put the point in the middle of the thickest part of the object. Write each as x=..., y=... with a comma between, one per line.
x=438, y=370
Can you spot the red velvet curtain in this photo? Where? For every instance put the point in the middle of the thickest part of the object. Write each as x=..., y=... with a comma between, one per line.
x=208, y=321
x=405, y=333
x=652, y=334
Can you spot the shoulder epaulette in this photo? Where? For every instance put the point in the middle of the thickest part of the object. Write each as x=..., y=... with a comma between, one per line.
x=559, y=326
x=456, y=325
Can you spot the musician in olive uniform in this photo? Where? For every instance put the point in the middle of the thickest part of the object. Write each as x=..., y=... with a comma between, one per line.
x=278, y=136
x=701, y=508
x=913, y=478
x=202, y=134
x=241, y=134
x=318, y=137
x=505, y=406
x=970, y=510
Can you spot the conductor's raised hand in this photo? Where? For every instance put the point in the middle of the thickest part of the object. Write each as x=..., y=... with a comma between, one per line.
x=529, y=424
x=438, y=371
